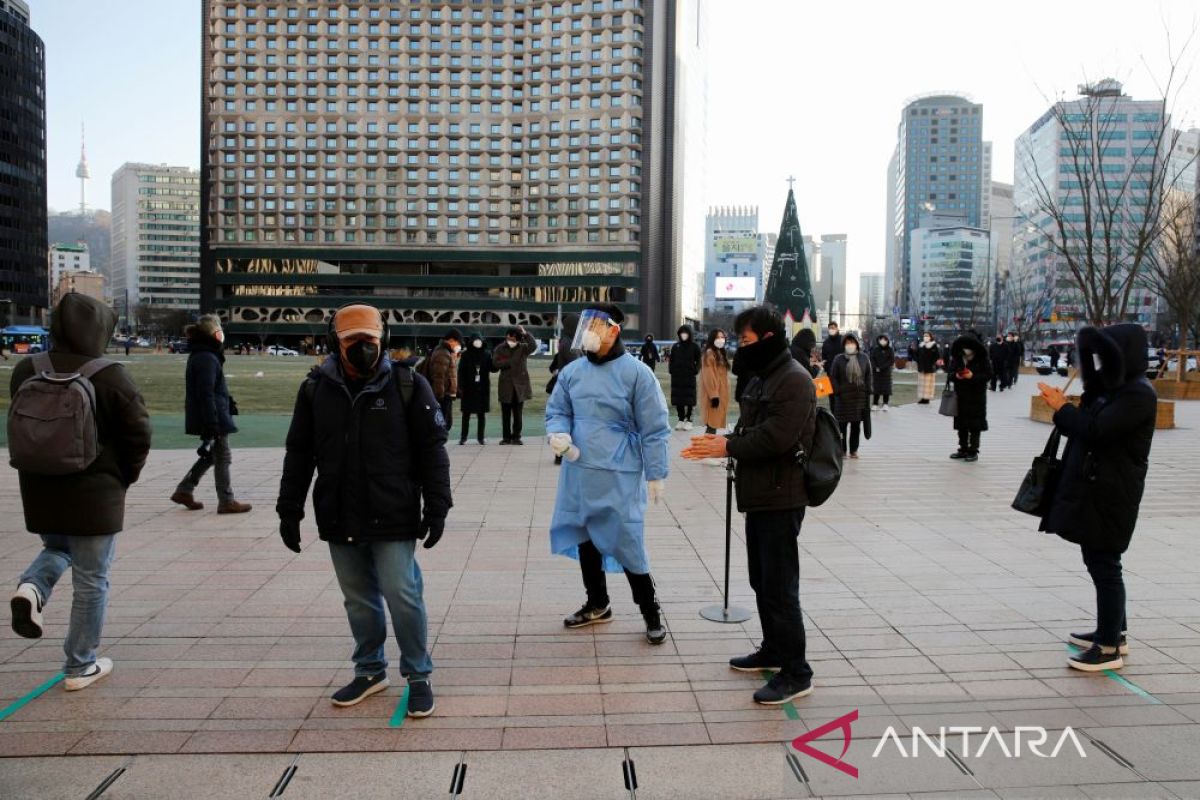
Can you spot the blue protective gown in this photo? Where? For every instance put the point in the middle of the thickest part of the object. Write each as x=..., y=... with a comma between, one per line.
x=617, y=417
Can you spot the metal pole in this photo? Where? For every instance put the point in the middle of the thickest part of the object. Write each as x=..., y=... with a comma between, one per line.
x=724, y=613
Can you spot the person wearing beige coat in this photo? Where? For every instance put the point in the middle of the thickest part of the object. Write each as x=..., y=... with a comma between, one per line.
x=714, y=382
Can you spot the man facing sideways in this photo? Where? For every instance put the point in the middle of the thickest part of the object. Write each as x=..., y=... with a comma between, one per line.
x=443, y=372
x=375, y=435
x=778, y=411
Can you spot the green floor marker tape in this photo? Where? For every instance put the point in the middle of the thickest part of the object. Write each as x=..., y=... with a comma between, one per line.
x=20, y=703
x=401, y=710
x=1121, y=679
x=788, y=708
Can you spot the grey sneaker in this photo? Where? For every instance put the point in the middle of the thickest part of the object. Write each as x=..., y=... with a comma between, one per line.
x=780, y=689
x=420, y=698
x=588, y=616
x=656, y=633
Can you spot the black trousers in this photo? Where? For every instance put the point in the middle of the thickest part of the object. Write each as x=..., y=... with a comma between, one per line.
x=773, y=558
x=466, y=425
x=447, y=404
x=1105, y=569
x=886, y=397
x=591, y=564
x=850, y=443
x=968, y=440
x=684, y=412
x=510, y=420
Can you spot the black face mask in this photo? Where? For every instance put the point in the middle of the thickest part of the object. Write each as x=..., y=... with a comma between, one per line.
x=363, y=356
x=753, y=358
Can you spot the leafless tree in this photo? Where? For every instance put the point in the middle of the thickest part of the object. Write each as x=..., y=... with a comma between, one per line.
x=1022, y=303
x=1172, y=270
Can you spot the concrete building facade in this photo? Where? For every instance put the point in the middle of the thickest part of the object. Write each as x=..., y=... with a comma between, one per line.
x=84, y=282
x=949, y=264
x=736, y=261
x=829, y=281
x=65, y=258
x=870, y=295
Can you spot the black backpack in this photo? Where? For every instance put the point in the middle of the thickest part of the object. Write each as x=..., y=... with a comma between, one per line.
x=822, y=464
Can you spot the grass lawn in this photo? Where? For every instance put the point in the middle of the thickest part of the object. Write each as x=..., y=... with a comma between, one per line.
x=265, y=389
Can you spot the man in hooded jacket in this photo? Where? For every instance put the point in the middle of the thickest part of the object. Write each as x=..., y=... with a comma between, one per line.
x=79, y=515
x=683, y=363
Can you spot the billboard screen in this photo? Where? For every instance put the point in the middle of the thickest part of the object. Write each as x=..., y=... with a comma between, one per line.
x=737, y=288
x=737, y=244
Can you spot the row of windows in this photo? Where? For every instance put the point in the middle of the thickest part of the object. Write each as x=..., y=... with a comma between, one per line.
x=249, y=59
x=272, y=11
x=373, y=221
x=250, y=144
x=421, y=206
x=430, y=107
x=434, y=191
x=432, y=127
x=431, y=237
x=250, y=30
x=440, y=75
x=413, y=160
x=434, y=93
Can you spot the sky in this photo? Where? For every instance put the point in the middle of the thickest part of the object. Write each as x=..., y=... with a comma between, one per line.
x=797, y=88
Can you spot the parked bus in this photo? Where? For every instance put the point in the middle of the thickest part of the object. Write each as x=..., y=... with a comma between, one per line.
x=23, y=339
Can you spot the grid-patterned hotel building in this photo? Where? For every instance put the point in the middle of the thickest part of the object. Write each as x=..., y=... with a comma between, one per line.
x=467, y=163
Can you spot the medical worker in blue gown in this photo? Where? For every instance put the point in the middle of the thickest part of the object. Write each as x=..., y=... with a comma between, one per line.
x=608, y=417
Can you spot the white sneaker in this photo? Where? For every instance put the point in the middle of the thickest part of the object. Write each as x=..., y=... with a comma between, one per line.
x=687, y=426
x=874, y=408
x=102, y=667
x=713, y=462
x=679, y=425
x=885, y=407
x=26, y=607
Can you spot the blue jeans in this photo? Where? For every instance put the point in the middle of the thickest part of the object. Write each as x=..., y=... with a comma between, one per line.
x=89, y=558
x=374, y=573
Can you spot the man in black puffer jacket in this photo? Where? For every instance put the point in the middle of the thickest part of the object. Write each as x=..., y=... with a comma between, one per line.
x=376, y=437
x=778, y=412
x=1103, y=475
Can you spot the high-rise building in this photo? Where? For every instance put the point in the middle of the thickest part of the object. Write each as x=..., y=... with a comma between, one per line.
x=469, y=164
x=155, y=260
x=941, y=165
x=949, y=272
x=67, y=258
x=23, y=283
x=870, y=295
x=829, y=288
x=736, y=259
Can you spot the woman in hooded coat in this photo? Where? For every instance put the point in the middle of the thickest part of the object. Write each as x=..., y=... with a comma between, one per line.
x=850, y=374
x=883, y=360
x=683, y=363
x=648, y=352
x=1103, y=475
x=803, y=344
x=970, y=370
x=475, y=386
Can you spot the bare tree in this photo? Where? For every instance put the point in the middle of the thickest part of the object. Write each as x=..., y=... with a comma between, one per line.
x=1103, y=216
x=1172, y=270
x=1022, y=303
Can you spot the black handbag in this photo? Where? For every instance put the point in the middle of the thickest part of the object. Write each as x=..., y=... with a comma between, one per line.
x=1037, y=490
x=949, y=405
x=233, y=407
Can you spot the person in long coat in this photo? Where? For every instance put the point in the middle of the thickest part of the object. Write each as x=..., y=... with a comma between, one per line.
x=683, y=363
x=1103, y=475
x=883, y=361
x=608, y=416
x=850, y=374
x=714, y=382
x=648, y=352
x=510, y=359
x=927, y=359
x=970, y=369
x=475, y=387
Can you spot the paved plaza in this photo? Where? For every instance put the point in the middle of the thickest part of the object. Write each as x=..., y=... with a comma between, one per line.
x=928, y=603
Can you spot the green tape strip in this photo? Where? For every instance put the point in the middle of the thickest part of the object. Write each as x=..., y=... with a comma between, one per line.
x=788, y=708
x=1121, y=679
x=20, y=703
x=401, y=710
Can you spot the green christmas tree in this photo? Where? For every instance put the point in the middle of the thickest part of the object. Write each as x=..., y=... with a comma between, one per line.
x=789, y=287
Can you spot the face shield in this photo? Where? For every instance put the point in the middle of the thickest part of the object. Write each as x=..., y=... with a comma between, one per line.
x=593, y=329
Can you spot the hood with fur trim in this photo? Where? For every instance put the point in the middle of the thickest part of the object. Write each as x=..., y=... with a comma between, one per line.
x=1111, y=356
x=967, y=341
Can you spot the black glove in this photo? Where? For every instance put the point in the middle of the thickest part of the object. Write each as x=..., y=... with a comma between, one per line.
x=289, y=531
x=431, y=530
x=205, y=449
x=715, y=402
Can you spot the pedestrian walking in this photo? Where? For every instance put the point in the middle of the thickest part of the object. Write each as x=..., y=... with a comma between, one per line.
x=208, y=413
x=998, y=354
x=927, y=359
x=441, y=370
x=714, y=382
x=970, y=370
x=608, y=416
x=475, y=388
x=778, y=410
x=1016, y=356
x=128, y=345
x=648, y=352
x=77, y=513
x=510, y=359
x=883, y=361
x=850, y=374
x=374, y=434
x=1103, y=475
x=683, y=363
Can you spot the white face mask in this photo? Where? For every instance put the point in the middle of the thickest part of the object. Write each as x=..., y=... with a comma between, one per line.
x=833, y=331
x=219, y=335
x=456, y=349
x=511, y=342
x=683, y=337
x=1096, y=361
x=591, y=341
x=477, y=344
x=719, y=344
x=968, y=355
x=851, y=349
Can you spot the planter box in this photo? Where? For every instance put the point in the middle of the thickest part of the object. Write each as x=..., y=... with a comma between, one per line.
x=1039, y=411
x=1171, y=389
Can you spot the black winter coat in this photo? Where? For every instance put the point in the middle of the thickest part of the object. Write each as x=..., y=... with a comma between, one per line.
x=778, y=410
x=684, y=365
x=972, y=392
x=831, y=348
x=803, y=345
x=206, y=397
x=648, y=354
x=475, y=380
x=883, y=361
x=377, y=462
x=852, y=399
x=927, y=358
x=92, y=502
x=1108, y=442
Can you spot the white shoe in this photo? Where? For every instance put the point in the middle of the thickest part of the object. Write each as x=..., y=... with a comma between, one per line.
x=713, y=462
x=679, y=425
x=687, y=426
x=102, y=667
x=26, y=606
x=885, y=407
x=874, y=408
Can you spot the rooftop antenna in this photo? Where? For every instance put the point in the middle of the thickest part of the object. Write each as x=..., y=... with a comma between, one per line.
x=82, y=172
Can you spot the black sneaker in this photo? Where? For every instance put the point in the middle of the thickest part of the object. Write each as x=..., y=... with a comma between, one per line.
x=360, y=689
x=780, y=689
x=1094, y=659
x=517, y=441
x=957, y=454
x=588, y=616
x=26, y=607
x=506, y=441
x=755, y=662
x=420, y=698
x=462, y=442
x=1087, y=640
x=971, y=456
x=922, y=402
x=655, y=632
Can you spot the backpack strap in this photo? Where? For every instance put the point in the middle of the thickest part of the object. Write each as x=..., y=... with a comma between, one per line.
x=42, y=363
x=310, y=383
x=90, y=368
x=404, y=377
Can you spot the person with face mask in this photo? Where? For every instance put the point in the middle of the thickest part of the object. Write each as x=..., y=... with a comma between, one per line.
x=442, y=372
x=778, y=410
x=998, y=355
x=475, y=387
x=208, y=414
x=648, y=352
x=608, y=417
x=927, y=358
x=970, y=369
x=883, y=361
x=374, y=433
x=510, y=359
x=683, y=363
x=1016, y=354
x=714, y=383
x=851, y=377
x=831, y=348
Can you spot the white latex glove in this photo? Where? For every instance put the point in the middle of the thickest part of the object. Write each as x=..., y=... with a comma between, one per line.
x=656, y=489
x=560, y=443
